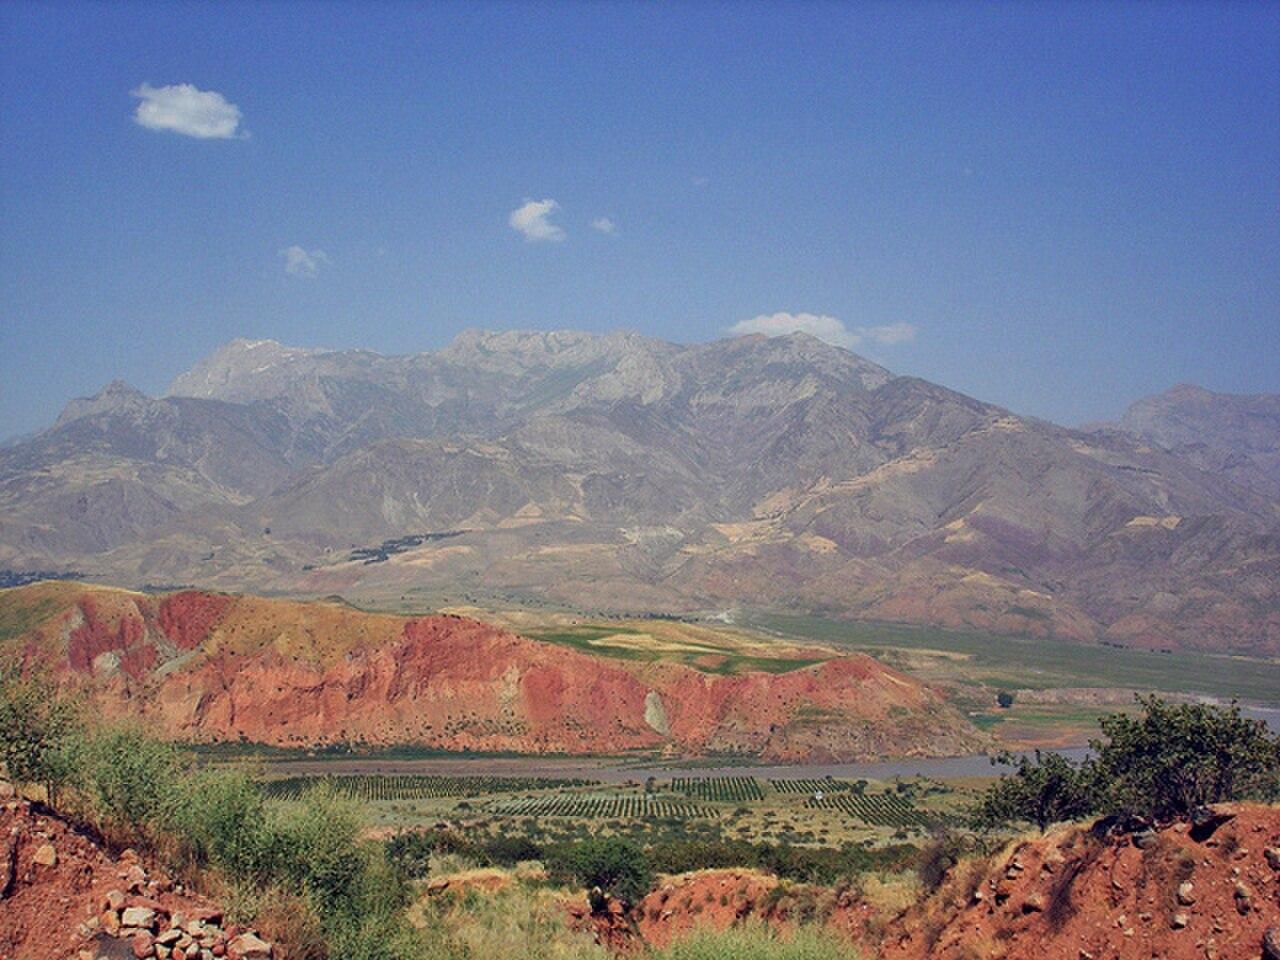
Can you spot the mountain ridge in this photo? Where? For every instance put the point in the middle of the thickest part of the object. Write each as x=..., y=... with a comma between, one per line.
x=618, y=472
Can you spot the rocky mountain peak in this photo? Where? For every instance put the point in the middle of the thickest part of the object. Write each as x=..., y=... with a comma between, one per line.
x=117, y=395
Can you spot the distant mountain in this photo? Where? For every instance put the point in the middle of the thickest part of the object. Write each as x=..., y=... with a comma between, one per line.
x=1236, y=436
x=616, y=472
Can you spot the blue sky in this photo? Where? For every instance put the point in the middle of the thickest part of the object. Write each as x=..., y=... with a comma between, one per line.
x=1056, y=207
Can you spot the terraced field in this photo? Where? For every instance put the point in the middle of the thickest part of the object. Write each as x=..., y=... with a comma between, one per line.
x=600, y=807
x=719, y=789
x=879, y=809
x=809, y=787
x=380, y=788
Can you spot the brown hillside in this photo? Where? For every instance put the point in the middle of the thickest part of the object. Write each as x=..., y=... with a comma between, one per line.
x=205, y=667
x=1071, y=895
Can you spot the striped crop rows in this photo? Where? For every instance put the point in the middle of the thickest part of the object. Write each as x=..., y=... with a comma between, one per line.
x=808, y=786
x=613, y=807
x=379, y=787
x=880, y=809
x=719, y=789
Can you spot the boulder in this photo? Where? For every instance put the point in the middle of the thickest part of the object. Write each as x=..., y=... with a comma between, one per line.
x=46, y=855
x=1206, y=820
x=143, y=917
x=1271, y=944
x=247, y=946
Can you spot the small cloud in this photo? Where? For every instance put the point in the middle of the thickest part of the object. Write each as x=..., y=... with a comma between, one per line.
x=303, y=263
x=890, y=333
x=699, y=181
x=532, y=221
x=184, y=109
x=816, y=325
x=604, y=225
x=824, y=327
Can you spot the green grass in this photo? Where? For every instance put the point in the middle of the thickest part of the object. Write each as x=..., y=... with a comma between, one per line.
x=1014, y=662
x=585, y=639
x=757, y=942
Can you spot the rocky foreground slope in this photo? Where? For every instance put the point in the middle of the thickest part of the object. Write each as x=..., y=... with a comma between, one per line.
x=1176, y=893
x=213, y=667
x=65, y=897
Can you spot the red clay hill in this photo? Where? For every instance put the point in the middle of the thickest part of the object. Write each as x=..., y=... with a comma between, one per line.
x=205, y=667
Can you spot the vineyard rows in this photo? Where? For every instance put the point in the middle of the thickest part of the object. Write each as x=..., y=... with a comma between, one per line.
x=880, y=809
x=719, y=789
x=378, y=787
x=808, y=786
x=619, y=807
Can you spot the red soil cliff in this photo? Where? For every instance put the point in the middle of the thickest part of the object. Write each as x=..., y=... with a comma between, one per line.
x=204, y=667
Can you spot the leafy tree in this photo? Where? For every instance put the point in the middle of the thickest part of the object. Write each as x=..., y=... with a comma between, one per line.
x=1044, y=790
x=1174, y=757
x=612, y=865
x=38, y=727
x=1004, y=699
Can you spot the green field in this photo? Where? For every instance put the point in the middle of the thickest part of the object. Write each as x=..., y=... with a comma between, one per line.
x=1021, y=663
x=812, y=812
x=602, y=641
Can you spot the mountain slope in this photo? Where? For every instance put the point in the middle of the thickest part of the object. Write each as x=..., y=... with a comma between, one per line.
x=215, y=667
x=1235, y=436
x=615, y=472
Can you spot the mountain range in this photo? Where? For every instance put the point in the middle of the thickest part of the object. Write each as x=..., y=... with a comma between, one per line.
x=620, y=473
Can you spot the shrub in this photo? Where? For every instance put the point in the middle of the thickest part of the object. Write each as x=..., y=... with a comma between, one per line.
x=410, y=853
x=1174, y=757
x=131, y=783
x=1004, y=699
x=616, y=867
x=219, y=821
x=37, y=728
x=1043, y=790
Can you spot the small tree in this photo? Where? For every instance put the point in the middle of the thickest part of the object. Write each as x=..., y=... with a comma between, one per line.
x=1174, y=757
x=38, y=726
x=614, y=866
x=1004, y=699
x=1044, y=790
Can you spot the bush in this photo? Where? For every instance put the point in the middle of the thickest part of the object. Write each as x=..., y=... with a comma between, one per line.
x=1173, y=758
x=38, y=724
x=131, y=783
x=410, y=853
x=616, y=867
x=219, y=821
x=1044, y=790
x=1004, y=699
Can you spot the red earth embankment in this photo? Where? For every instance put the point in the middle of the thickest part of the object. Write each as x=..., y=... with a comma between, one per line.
x=207, y=667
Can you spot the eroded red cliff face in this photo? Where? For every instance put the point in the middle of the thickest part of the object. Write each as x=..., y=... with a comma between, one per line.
x=207, y=667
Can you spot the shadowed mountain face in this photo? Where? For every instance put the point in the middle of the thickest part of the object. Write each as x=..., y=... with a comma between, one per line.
x=622, y=473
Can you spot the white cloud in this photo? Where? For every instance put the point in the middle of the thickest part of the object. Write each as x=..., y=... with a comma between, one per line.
x=816, y=325
x=604, y=225
x=890, y=333
x=824, y=327
x=183, y=109
x=532, y=221
x=303, y=263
